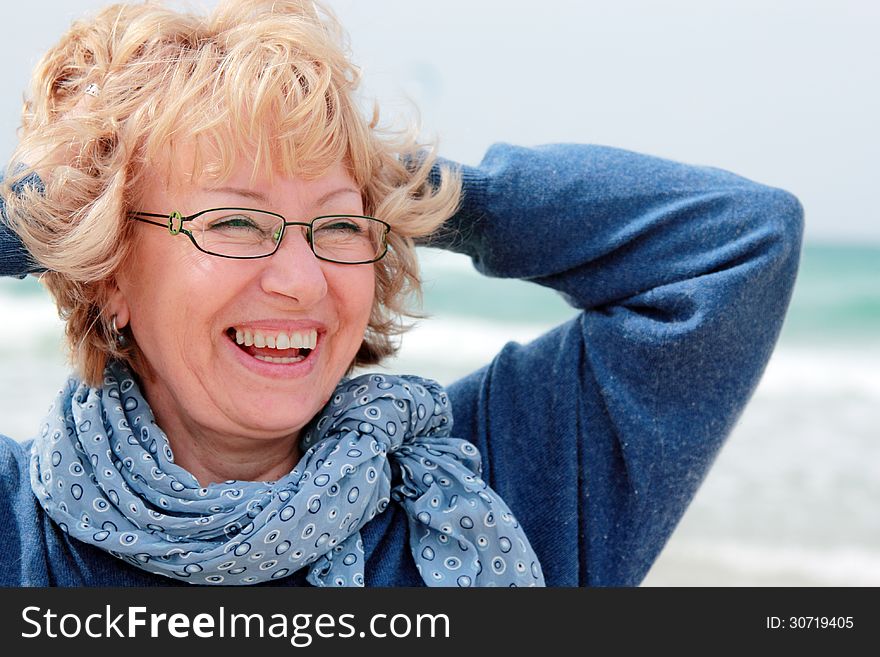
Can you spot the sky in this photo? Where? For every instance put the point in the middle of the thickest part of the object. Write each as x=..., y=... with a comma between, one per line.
x=785, y=92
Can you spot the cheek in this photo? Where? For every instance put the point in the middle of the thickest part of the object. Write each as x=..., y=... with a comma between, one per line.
x=367, y=295
x=354, y=296
x=158, y=330
x=185, y=281
x=163, y=270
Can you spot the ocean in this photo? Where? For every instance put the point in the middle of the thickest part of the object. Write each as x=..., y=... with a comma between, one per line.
x=792, y=497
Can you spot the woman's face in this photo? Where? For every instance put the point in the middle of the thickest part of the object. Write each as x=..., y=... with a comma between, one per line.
x=185, y=308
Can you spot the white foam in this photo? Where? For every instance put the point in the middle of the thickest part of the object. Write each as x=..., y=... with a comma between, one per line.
x=464, y=341
x=823, y=370
x=838, y=566
x=28, y=321
x=439, y=261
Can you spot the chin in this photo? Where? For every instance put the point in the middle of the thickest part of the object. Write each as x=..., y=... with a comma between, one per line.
x=276, y=421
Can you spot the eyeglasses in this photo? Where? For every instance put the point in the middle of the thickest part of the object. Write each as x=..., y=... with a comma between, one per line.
x=245, y=233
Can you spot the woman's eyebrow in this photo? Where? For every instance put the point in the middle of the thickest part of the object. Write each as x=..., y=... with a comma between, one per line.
x=259, y=196
x=246, y=193
x=337, y=192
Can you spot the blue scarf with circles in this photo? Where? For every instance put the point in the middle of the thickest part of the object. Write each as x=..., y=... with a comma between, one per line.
x=104, y=472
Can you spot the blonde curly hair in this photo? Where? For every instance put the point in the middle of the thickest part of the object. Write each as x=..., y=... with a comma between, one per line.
x=271, y=77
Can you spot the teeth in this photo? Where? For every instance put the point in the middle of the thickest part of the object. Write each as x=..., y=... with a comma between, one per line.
x=304, y=340
x=270, y=359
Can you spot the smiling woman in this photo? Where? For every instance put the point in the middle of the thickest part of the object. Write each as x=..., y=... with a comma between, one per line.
x=227, y=238
x=274, y=98
x=201, y=383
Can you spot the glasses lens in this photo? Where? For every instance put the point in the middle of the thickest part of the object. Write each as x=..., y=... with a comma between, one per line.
x=237, y=233
x=349, y=239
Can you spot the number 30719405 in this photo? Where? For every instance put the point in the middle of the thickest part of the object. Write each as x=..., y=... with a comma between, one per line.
x=809, y=622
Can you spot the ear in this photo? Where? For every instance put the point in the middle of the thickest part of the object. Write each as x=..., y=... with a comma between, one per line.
x=117, y=305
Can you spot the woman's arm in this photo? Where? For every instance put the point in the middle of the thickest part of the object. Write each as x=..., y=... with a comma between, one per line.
x=598, y=433
x=14, y=258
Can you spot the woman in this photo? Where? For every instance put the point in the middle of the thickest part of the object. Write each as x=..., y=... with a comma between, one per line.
x=227, y=238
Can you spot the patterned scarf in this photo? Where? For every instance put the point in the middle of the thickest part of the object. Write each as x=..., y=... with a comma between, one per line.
x=104, y=472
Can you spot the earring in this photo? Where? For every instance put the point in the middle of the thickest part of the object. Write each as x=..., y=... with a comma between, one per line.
x=118, y=336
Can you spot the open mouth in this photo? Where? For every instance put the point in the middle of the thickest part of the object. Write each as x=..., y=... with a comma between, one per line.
x=277, y=347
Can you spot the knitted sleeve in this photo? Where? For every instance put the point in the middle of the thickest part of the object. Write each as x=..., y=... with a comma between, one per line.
x=14, y=258
x=598, y=433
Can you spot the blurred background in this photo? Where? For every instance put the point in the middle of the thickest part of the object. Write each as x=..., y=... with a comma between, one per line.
x=784, y=92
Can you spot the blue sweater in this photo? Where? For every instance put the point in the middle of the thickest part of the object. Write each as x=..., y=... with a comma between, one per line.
x=598, y=433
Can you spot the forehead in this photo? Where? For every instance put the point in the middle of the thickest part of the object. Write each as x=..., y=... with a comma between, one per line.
x=239, y=164
x=179, y=186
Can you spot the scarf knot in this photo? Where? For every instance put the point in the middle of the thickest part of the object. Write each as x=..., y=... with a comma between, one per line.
x=105, y=473
x=371, y=405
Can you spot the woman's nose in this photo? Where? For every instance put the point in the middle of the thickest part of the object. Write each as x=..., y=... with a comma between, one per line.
x=294, y=270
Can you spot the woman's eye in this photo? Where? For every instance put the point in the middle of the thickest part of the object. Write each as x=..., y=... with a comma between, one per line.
x=240, y=222
x=343, y=226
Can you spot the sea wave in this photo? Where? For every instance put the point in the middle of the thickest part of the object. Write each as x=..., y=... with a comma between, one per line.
x=817, y=370
x=455, y=345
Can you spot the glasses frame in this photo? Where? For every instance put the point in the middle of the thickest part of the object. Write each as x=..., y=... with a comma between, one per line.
x=174, y=225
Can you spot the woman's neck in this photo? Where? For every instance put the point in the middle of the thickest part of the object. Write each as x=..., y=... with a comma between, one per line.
x=212, y=459
x=211, y=456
